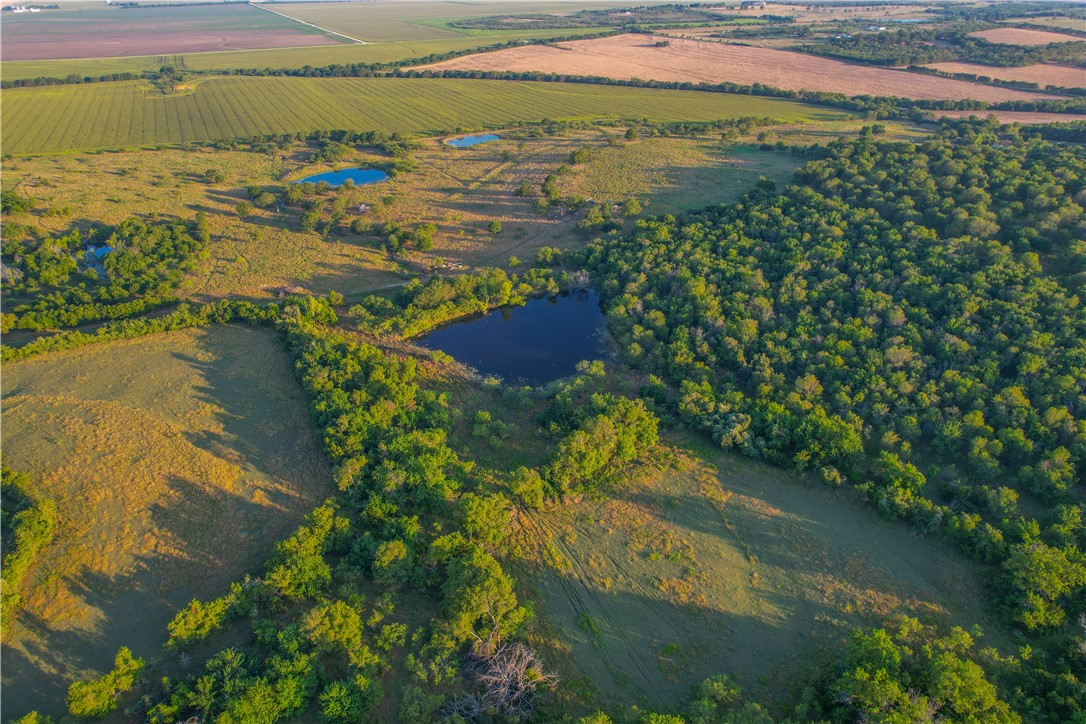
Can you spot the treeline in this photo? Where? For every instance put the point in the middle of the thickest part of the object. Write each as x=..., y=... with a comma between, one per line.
x=920, y=47
x=183, y=317
x=61, y=282
x=889, y=323
x=879, y=107
x=411, y=522
x=26, y=527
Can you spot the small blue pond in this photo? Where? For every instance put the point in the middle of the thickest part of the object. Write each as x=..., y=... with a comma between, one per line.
x=471, y=140
x=335, y=179
x=534, y=344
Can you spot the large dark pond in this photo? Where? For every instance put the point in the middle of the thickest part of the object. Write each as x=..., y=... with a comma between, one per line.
x=530, y=345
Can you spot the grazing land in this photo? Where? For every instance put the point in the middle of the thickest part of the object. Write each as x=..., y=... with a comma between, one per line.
x=1057, y=23
x=737, y=566
x=113, y=31
x=1017, y=116
x=1023, y=36
x=693, y=61
x=1043, y=74
x=125, y=114
x=173, y=473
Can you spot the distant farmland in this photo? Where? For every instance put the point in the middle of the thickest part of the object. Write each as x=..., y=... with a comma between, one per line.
x=1042, y=74
x=1023, y=36
x=635, y=56
x=111, y=31
x=110, y=115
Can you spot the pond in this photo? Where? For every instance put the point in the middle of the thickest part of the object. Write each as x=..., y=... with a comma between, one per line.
x=335, y=179
x=530, y=345
x=471, y=140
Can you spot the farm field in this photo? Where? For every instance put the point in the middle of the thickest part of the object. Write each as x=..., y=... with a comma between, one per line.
x=1023, y=36
x=1043, y=74
x=174, y=473
x=636, y=56
x=111, y=31
x=1055, y=23
x=1018, y=116
x=317, y=56
x=124, y=114
x=389, y=21
x=738, y=567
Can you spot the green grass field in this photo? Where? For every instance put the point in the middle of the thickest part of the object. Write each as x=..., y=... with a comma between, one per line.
x=112, y=115
x=174, y=471
x=703, y=562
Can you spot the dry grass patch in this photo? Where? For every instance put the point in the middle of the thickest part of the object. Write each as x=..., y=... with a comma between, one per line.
x=176, y=461
x=1043, y=74
x=1023, y=117
x=1023, y=36
x=636, y=56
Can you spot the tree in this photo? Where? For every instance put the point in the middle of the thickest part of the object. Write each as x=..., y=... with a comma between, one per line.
x=495, y=227
x=98, y=697
x=631, y=207
x=244, y=208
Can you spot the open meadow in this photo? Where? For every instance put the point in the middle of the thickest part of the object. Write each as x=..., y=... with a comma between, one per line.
x=695, y=61
x=115, y=31
x=174, y=472
x=125, y=114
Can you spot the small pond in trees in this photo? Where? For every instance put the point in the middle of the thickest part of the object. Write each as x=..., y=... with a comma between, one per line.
x=530, y=345
x=335, y=179
x=471, y=140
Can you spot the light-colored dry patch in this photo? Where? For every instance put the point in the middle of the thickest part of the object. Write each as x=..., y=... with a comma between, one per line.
x=1018, y=116
x=1043, y=74
x=176, y=462
x=636, y=56
x=1023, y=36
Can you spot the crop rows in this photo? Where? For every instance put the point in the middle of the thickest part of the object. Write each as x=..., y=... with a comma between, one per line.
x=110, y=115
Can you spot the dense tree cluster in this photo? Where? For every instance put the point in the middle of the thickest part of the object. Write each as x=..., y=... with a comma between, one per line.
x=890, y=323
x=61, y=282
x=26, y=527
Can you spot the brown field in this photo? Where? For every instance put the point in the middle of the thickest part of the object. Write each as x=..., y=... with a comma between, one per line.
x=113, y=32
x=1018, y=116
x=1054, y=23
x=634, y=56
x=1021, y=36
x=1043, y=73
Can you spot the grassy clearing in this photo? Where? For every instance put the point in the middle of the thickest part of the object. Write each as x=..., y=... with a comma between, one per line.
x=740, y=568
x=174, y=473
x=680, y=175
x=104, y=115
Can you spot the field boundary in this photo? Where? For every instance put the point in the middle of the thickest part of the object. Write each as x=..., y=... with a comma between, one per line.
x=312, y=25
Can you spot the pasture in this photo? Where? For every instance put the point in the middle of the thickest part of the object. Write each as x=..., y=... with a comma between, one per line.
x=176, y=462
x=1043, y=74
x=92, y=32
x=700, y=562
x=1023, y=36
x=695, y=61
x=126, y=114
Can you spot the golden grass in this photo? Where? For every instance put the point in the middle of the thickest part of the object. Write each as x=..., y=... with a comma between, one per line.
x=176, y=461
x=1043, y=74
x=1023, y=36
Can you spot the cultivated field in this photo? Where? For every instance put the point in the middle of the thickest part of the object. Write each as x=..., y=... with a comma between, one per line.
x=1022, y=36
x=701, y=564
x=1058, y=23
x=105, y=115
x=693, y=61
x=1018, y=116
x=174, y=473
x=111, y=31
x=1043, y=74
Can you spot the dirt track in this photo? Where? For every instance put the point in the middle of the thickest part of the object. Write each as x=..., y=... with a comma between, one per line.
x=635, y=56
